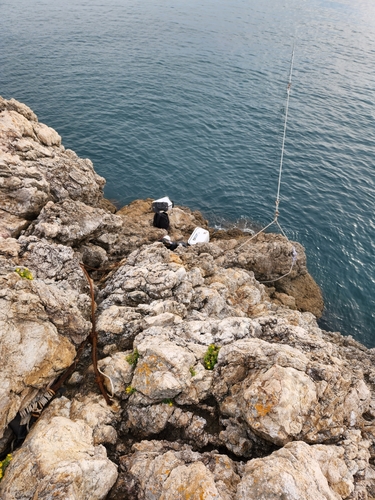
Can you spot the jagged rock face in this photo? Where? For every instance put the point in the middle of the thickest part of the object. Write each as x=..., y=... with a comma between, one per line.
x=283, y=475
x=73, y=223
x=60, y=459
x=31, y=350
x=169, y=470
x=35, y=168
x=42, y=319
x=197, y=353
x=278, y=398
x=262, y=393
x=155, y=273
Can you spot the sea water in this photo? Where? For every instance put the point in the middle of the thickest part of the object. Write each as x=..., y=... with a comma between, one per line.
x=187, y=99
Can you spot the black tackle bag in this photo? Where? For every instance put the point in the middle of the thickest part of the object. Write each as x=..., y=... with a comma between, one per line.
x=161, y=220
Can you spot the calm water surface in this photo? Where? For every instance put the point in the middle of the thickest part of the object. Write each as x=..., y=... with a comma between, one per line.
x=187, y=99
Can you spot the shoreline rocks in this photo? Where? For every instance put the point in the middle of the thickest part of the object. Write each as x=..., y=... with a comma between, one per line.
x=222, y=387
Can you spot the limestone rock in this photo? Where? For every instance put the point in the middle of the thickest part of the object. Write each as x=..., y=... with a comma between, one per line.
x=292, y=472
x=73, y=223
x=163, y=370
x=19, y=107
x=270, y=386
x=46, y=135
x=35, y=353
x=9, y=248
x=52, y=262
x=183, y=221
x=119, y=373
x=23, y=190
x=99, y=416
x=277, y=402
x=168, y=471
x=119, y=324
x=93, y=256
x=11, y=225
x=270, y=257
x=332, y=464
x=60, y=284
x=35, y=168
x=145, y=281
x=148, y=420
x=59, y=459
x=305, y=291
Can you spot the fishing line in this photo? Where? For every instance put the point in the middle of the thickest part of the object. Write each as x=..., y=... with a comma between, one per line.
x=277, y=201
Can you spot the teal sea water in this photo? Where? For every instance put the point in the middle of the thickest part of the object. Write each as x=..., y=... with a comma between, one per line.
x=187, y=99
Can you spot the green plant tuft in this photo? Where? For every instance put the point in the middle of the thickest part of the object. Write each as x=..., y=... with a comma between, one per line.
x=4, y=464
x=210, y=358
x=132, y=359
x=168, y=401
x=24, y=273
x=192, y=371
x=130, y=390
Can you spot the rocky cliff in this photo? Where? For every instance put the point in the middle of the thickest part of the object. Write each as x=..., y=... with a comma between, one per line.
x=220, y=387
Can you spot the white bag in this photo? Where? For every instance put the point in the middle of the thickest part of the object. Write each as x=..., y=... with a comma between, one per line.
x=162, y=204
x=199, y=235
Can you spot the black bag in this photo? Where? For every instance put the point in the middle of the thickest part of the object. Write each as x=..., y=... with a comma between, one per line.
x=161, y=220
x=160, y=206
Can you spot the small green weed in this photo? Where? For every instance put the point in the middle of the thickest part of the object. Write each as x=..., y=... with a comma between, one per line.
x=132, y=359
x=4, y=464
x=130, y=390
x=192, y=371
x=210, y=358
x=168, y=402
x=24, y=272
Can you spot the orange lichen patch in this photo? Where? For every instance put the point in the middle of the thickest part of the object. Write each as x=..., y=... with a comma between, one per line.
x=175, y=258
x=191, y=492
x=144, y=369
x=191, y=483
x=149, y=364
x=263, y=409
